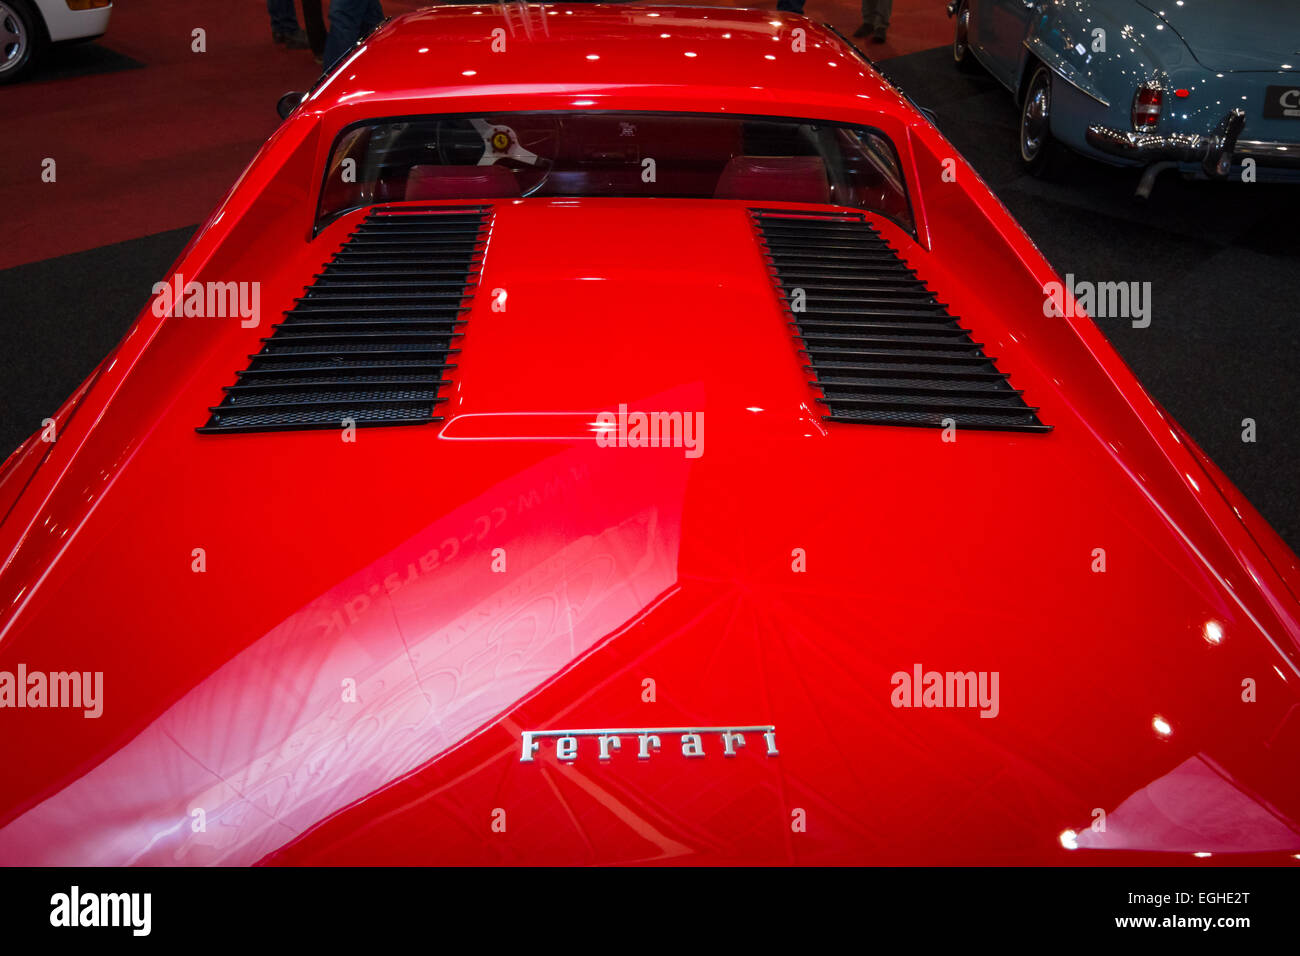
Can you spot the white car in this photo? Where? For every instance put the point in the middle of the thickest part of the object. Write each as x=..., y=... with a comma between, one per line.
x=27, y=27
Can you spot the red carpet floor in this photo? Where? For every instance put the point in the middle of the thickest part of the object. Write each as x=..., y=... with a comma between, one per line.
x=141, y=151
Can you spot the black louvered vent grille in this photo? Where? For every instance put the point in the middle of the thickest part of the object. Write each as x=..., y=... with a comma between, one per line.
x=882, y=349
x=370, y=340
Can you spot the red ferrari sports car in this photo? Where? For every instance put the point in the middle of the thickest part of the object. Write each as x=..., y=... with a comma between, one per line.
x=601, y=434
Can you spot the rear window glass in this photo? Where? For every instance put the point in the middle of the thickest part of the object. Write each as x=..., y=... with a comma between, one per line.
x=548, y=155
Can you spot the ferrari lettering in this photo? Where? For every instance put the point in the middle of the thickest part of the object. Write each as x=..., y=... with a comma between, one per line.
x=695, y=742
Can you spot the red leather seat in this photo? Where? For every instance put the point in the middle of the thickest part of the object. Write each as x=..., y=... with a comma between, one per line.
x=774, y=179
x=461, y=182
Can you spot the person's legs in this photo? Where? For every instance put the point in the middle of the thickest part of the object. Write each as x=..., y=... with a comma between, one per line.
x=875, y=19
x=345, y=28
x=883, y=10
x=868, y=18
x=283, y=20
x=313, y=22
x=373, y=17
x=284, y=25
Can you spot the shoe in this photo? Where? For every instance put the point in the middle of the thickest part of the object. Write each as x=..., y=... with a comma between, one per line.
x=862, y=31
x=878, y=36
x=297, y=40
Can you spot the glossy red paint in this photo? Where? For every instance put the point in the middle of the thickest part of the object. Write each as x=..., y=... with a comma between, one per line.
x=371, y=562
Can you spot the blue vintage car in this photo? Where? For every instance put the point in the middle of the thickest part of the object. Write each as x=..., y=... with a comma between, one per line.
x=1202, y=86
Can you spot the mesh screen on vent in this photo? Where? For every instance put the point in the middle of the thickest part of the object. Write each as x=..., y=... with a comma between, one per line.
x=882, y=349
x=371, y=337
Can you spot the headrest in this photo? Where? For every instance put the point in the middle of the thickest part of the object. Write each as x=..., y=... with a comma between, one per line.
x=774, y=179
x=461, y=182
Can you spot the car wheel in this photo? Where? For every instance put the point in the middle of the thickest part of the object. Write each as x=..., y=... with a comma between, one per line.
x=961, y=54
x=1038, y=150
x=22, y=37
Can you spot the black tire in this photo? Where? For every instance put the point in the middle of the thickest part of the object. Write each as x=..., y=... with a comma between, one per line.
x=22, y=39
x=961, y=54
x=1040, y=153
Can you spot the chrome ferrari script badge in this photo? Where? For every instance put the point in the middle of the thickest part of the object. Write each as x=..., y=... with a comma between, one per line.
x=724, y=740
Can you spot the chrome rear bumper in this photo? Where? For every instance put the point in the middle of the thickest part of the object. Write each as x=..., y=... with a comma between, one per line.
x=1214, y=152
x=1268, y=154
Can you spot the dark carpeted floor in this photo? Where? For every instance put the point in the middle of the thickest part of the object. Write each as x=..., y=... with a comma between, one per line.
x=1223, y=343
x=62, y=316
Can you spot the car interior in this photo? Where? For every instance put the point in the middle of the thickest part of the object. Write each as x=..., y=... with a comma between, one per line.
x=550, y=155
